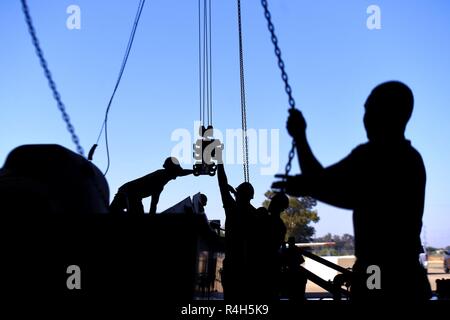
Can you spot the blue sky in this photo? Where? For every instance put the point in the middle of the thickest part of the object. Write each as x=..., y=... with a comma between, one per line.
x=332, y=58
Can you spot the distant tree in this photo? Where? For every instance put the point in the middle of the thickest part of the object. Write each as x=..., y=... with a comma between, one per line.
x=344, y=244
x=326, y=238
x=297, y=217
x=431, y=250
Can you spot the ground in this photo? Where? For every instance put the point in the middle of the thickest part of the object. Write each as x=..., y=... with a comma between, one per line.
x=435, y=271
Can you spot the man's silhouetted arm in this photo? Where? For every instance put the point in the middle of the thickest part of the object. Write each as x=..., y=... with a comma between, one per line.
x=306, y=159
x=332, y=185
x=223, y=184
x=186, y=172
x=154, y=203
x=296, y=126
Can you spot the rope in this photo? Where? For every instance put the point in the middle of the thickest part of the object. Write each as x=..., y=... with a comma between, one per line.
x=284, y=76
x=122, y=68
x=243, y=104
x=48, y=75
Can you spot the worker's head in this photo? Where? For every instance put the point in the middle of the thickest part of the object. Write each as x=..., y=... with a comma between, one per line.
x=245, y=192
x=387, y=111
x=278, y=203
x=203, y=199
x=172, y=165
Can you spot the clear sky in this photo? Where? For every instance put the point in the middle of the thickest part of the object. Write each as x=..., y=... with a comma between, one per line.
x=332, y=58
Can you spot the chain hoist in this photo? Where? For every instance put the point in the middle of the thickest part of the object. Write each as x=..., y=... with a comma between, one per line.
x=205, y=147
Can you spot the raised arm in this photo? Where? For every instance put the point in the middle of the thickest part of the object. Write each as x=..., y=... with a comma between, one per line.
x=333, y=185
x=296, y=127
x=185, y=172
x=223, y=184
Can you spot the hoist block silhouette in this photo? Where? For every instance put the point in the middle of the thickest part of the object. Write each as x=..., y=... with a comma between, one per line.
x=206, y=152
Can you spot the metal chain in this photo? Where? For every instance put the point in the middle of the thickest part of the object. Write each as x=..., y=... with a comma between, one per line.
x=243, y=103
x=284, y=76
x=48, y=75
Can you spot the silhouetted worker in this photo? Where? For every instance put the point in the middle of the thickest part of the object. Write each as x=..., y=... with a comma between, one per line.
x=268, y=233
x=238, y=211
x=258, y=255
x=383, y=182
x=277, y=232
x=295, y=279
x=276, y=236
x=199, y=202
x=129, y=196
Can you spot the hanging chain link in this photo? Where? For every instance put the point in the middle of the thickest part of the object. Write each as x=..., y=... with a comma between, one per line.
x=243, y=103
x=48, y=75
x=284, y=76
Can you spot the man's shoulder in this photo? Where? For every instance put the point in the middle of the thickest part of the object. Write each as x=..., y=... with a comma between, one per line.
x=415, y=159
x=404, y=151
x=414, y=152
x=361, y=151
x=361, y=148
x=369, y=147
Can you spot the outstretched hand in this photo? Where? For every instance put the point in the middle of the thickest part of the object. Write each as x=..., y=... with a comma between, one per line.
x=296, y=124
x=185, y=172
x=290, y=185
